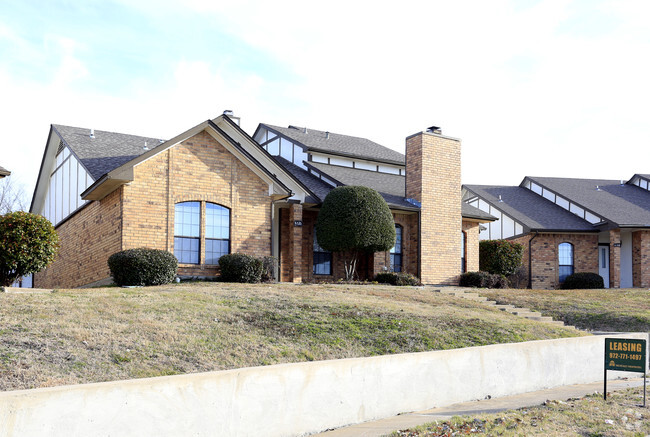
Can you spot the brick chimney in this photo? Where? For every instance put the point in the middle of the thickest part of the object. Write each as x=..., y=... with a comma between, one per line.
x=433, y=180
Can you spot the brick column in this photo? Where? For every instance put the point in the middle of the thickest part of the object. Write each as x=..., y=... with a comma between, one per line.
x=295, y=260
x=615, y=258
x=641, y=258
x=433, y=179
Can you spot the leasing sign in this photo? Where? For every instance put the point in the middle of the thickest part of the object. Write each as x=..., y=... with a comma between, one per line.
x=625, y=354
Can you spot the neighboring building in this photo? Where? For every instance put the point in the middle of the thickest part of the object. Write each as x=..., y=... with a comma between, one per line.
x=4, y=172
x=214, y=190
x=573, y=225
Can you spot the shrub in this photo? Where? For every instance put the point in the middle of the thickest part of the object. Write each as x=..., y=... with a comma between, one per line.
x=269, y=266
x=28, y=244
x=583, y=280
x=483, y=280
x=239, y=267
x=500, y=257
x=353, y=220
x=143, y=266
x=397, y=278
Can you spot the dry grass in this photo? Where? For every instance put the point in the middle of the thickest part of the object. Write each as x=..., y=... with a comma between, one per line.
x=620, y=415
x=92, y=335
x=620, y=310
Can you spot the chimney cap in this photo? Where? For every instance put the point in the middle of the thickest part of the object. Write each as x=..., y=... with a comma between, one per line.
x=434, y=129
x=228, y=112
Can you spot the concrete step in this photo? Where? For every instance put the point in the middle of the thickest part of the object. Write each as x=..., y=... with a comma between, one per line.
x=504, y=307
x=540, y=318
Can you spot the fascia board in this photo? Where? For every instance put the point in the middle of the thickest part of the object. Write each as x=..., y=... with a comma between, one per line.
x=43, y=180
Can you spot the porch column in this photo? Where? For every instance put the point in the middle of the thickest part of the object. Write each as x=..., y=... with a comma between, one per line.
x=295, y=260
x=615, y=258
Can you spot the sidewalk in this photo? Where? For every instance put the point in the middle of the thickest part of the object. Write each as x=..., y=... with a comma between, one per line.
x=403, y=421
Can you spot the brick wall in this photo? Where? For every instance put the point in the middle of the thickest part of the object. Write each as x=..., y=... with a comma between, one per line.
x=433, y=178
x=545, y=256
x=641, y=258
x=88, y=238
x=471, y=230
x=198, y=169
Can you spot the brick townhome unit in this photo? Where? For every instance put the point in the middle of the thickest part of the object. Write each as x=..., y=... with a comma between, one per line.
x=214, y=189
x=573, y=225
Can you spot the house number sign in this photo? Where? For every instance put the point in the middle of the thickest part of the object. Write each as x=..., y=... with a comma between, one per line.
x=297, y=223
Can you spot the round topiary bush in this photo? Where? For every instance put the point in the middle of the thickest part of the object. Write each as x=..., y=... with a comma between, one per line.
x=143, y=266
x=28, y=244
x=583, y=280
x=397, y=278
x=239, y=267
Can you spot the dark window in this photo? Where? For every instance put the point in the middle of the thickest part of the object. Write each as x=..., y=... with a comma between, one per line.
x=396, y=251
x=217, y=232
x=463, y=261
x=565, y=258
x=322, y=259
x=187, y=224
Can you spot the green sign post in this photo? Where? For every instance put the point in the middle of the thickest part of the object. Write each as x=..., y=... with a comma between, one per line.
x=625, y=354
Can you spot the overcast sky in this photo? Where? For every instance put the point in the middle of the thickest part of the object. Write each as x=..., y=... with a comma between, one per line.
x=539, y=88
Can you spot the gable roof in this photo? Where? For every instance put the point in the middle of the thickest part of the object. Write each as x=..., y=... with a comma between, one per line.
x=337, y=144
x=106, y=151
x=623, y=205
x=534, y=212
x=4, y=172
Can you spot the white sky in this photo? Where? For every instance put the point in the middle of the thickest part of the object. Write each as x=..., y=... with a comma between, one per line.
x=541, y=88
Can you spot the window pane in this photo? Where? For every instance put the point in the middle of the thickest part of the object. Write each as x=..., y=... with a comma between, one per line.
x=186, y=250
x=187, y=218
x=322, y=260
x=396, y=262
x=565, y=260
x=397, y=248
x=274, y=147
x=217, y=221
x=215, y=249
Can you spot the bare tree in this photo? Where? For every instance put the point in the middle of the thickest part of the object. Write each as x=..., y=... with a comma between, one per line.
x=12, y=196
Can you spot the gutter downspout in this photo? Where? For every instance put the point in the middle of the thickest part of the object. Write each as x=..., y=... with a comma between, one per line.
x=530, y=260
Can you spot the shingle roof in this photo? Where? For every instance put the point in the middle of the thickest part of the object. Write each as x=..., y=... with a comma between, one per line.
x=4, y=171
x=530, y=209
x=313, y=184
x=621, y=204
x=338, y=144
x=105, y=152
x=382, y=182
x=468, y=211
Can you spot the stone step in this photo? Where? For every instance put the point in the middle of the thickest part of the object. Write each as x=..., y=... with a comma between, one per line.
x=540, y=318
x=504, y=307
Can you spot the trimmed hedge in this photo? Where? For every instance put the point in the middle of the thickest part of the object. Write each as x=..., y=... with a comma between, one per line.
x=583, y=280
x=143, y=266
x=501, y=257
x=397, y=278
x=483, y=280
x=239, y=267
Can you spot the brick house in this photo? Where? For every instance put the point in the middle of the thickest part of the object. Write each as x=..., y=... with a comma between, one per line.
x=573, y=225
x=214, y=189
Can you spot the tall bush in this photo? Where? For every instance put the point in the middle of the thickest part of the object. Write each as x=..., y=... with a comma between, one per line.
x=501, y=257
x=355, y=220
x=28, y=244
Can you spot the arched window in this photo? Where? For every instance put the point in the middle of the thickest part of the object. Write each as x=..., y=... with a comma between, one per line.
x=188, y=231
x=565, y=260
x=396, y=251
x=463, y=249
x=187, y=228
x=217, y=232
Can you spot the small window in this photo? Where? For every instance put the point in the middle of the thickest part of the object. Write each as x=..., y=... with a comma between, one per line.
x=187, y=220
x=322, y=259
x=565, y=261
x=396, y=251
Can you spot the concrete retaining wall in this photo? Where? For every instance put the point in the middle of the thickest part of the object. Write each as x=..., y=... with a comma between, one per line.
x=296, y=399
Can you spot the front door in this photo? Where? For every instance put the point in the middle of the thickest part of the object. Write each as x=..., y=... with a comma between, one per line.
x=603, y=263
